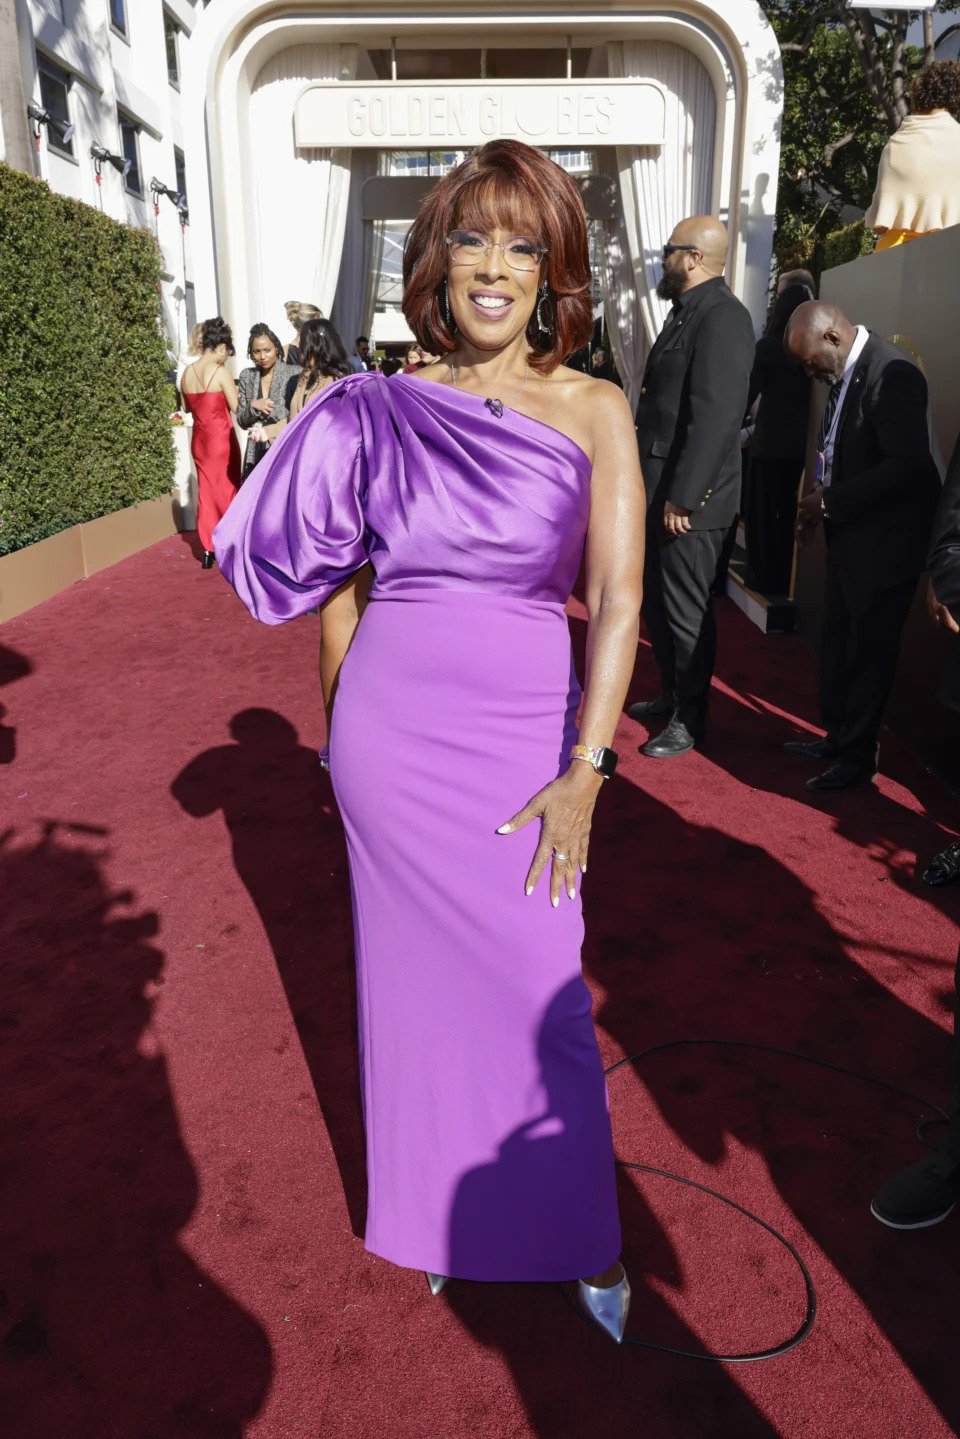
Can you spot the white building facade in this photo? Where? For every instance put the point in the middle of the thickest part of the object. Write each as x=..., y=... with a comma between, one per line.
x=281, y=176
x=113, y=69
x=304, y=134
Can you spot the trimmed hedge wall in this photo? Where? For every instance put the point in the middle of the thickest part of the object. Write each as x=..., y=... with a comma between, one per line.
x=849, y=243
x=84, y=398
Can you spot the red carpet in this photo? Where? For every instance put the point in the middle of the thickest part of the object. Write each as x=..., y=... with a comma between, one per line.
x=180, y=1156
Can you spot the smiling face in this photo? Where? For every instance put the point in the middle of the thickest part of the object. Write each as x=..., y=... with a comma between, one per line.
x=491, y=300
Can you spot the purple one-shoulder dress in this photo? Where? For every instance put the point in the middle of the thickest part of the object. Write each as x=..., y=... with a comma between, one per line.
x=489, y=1151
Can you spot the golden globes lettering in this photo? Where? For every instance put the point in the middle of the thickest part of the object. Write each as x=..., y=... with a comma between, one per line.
x=578, y=113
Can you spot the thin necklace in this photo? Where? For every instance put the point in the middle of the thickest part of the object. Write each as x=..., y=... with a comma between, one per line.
x=493, y=405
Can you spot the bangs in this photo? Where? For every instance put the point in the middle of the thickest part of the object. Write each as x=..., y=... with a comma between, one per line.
x=494, y=199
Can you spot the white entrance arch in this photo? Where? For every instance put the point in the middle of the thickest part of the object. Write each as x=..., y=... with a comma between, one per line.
x=234, y=40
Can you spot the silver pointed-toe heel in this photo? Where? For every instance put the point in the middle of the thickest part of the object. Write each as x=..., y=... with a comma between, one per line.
x=437, y=1282
x=607, y=1308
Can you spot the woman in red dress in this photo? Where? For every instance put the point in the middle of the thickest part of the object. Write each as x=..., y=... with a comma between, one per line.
x=210, y=394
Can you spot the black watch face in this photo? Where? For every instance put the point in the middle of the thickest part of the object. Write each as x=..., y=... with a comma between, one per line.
x=607, y=763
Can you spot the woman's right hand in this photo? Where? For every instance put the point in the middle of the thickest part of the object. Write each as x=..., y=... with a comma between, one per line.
x=262, y=407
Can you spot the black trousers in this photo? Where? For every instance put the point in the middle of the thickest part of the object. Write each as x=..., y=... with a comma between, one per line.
x=858, y=665
x=769, y=521
x=678, y=611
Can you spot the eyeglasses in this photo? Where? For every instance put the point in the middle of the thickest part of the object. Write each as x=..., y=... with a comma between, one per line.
x=669, y=250
x=468, y=247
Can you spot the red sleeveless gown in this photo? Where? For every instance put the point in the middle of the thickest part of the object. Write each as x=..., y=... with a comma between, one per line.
x=216, y=454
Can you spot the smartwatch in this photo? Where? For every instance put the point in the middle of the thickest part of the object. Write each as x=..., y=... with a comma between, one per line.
x=603, y=760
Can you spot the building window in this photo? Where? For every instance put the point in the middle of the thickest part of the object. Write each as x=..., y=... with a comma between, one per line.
x=55, y=97
x=130, y=145
x=118, y=15
x=171, y=32
x=181, y=168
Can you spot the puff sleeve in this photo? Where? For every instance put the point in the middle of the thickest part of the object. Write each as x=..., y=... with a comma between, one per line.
x=296, y=529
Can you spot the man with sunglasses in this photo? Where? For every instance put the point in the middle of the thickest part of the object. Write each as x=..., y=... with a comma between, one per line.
x=692, y=402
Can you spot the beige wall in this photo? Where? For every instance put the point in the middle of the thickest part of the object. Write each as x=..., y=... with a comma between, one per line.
x=910, y=291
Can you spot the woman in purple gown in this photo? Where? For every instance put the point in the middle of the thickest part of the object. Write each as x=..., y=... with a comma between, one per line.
x=471, y=489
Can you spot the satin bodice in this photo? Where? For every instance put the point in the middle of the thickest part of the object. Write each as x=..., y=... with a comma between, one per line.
x=426, y=482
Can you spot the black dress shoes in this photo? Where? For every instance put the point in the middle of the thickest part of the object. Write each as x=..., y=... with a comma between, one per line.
x=811, y=748
x=208, y=559
x=660, y=708
x=916, y=1197
x=842, y=775
x=674, y=740
x=944, y=868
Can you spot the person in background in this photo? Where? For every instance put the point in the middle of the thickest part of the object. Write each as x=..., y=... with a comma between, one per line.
x=297, y=315
x=323, y=360
x=692, y=402
x=603, y=368
x=918, y=181
x=943, y=606
x=210, y=394
x=360, y=359
x=413, y=360
x=262, y=388
x=876, y=491
x=781, y=391
x=797, y=277
x=925, y=1192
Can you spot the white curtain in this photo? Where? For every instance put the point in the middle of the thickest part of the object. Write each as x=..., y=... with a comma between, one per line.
x=659, y=185
x=301, y=196
x=356, y=297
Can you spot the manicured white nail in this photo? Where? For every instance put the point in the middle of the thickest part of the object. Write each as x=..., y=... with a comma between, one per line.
x=504, y=829
x=583, y=869
x=572, y=893
x=529, y=889
x=555, y=901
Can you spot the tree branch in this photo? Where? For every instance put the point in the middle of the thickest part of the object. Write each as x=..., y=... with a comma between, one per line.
x=864, y=37
x=830, y=150
x=899, y=69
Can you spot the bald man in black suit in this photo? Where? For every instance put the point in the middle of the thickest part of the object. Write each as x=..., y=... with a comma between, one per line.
x=691, y=407
x=876, y=495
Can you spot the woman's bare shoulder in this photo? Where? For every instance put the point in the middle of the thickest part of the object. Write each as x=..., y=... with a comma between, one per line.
x=597, y=404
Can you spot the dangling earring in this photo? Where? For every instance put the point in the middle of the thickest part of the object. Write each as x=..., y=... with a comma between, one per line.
x=446, y=305
x=544, y=311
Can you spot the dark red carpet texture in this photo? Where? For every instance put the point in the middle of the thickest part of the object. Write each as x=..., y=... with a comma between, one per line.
x=181, y=1163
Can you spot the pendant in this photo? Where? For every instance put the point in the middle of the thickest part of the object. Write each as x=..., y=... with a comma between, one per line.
x=495, y=407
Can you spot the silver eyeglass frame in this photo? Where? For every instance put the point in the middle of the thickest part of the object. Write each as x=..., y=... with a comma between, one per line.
x=449, y=241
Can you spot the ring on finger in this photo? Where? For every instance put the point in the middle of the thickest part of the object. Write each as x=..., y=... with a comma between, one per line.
x=561, y=857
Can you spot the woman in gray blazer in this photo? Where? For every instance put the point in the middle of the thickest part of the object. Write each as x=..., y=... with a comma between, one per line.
x=262, y=389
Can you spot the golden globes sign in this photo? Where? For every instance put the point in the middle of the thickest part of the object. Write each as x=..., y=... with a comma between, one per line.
x=409, y=115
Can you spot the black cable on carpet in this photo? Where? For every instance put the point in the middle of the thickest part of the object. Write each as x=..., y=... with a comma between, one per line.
x=811, y=1293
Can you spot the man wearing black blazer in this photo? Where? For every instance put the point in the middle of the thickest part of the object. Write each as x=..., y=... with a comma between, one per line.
x=875, y=492
x=928, y=1190
x=692, y=402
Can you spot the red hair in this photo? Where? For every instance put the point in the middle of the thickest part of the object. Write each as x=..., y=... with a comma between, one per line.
x=510, y=184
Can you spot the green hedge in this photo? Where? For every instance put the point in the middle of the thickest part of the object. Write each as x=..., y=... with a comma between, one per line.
x=848, y=243
x=84, y=397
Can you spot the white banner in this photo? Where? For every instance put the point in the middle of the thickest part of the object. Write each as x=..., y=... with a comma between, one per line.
x=409, y=115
